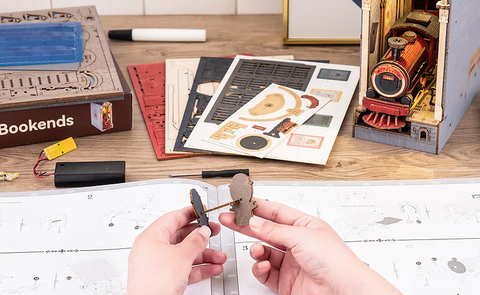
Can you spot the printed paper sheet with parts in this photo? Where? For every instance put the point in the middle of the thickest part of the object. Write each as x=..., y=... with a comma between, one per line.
x=266, y=120
x=314, y=140
x=179, y=78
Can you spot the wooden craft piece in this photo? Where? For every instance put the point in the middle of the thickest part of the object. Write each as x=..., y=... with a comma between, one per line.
x=253, y=142
x=272, y=103
x=228, y=131
x=179, y=76
x=285, y=126
x=197, y=205
x=250, y=77
x=210, y=69
x=296, y=111
x=241, y=191
x=314, y=102
x=95, y=80
x=148, y=80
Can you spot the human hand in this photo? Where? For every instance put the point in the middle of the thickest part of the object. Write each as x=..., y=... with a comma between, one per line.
x=171, y=253
x=307, y=257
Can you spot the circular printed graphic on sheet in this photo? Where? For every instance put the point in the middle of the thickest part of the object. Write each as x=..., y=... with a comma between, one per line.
x=255, y=142
x=457, y=266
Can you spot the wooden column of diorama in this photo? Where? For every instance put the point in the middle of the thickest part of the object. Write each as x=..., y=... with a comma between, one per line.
x=444, y=7
x=365, y=50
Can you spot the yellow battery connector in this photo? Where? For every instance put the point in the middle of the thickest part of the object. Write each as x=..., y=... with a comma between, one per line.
x=60, y=148
x=52, y=152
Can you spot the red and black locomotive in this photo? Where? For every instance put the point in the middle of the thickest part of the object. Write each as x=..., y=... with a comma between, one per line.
x=394, y=80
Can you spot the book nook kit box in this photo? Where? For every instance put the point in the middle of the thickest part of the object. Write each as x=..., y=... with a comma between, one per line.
x=52, y=104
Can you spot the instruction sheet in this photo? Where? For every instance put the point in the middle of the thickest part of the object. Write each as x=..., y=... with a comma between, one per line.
x=422, y=236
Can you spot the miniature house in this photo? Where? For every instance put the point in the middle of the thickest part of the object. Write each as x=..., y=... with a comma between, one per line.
x=418, y=78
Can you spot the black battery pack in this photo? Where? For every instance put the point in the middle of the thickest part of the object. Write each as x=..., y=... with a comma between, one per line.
x=81, y=174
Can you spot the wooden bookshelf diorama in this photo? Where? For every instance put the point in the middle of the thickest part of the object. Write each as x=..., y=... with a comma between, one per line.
x=419, y=70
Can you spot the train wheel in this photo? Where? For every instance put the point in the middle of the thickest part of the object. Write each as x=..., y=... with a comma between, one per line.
x=406, y=100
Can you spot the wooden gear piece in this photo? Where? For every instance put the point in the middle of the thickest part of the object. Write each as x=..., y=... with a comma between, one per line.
x=197, y=205
x=241, y=191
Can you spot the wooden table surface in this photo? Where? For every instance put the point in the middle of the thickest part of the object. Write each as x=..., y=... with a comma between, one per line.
x=351, y=159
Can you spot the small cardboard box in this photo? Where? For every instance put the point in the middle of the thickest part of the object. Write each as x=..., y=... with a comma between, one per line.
x=38, y=124
x=419, y=70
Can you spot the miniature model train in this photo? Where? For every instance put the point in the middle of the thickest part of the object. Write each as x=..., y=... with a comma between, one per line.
x=412, y=53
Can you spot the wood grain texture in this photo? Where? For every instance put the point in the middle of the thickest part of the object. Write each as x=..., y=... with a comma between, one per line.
x=241, y=191
x=351, y=159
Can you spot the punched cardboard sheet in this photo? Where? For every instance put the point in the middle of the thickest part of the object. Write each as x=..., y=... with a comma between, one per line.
x=191, y=98
x=210, y=70
x=149, y=83
x=314, y=140
x=266, y=120
x=179, y=77
x=250, y=78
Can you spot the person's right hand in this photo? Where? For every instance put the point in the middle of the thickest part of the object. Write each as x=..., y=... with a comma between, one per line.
x=312, y=258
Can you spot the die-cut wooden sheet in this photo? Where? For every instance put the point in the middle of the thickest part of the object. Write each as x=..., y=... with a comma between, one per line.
x=266, y=120
x=314, y=140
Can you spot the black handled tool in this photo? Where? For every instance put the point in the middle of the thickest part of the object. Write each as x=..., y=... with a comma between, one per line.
x=210, y=174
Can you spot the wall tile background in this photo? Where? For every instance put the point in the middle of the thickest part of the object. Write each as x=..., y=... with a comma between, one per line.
x=105, y=7
x=259, y=6
x=190, y=7
x=139, y=7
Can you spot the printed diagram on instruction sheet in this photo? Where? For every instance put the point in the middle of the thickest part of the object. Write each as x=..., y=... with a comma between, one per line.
x=77, y=242
x=422, y=236
x=135, y=215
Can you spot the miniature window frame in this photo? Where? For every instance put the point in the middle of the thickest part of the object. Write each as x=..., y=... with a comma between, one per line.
x=288, y=39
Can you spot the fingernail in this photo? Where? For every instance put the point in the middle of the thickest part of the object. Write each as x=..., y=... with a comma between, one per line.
x=256, y=222
x=263, y=265
x=205, y=231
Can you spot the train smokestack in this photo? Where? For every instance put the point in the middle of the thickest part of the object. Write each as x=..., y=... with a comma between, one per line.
x=410, y=36
x=397, y=44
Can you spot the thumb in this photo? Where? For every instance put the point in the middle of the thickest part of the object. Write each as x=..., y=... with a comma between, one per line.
x=196, y=242
x=276, y=234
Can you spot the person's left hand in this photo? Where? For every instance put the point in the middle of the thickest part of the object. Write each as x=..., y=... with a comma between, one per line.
x=170, y=254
